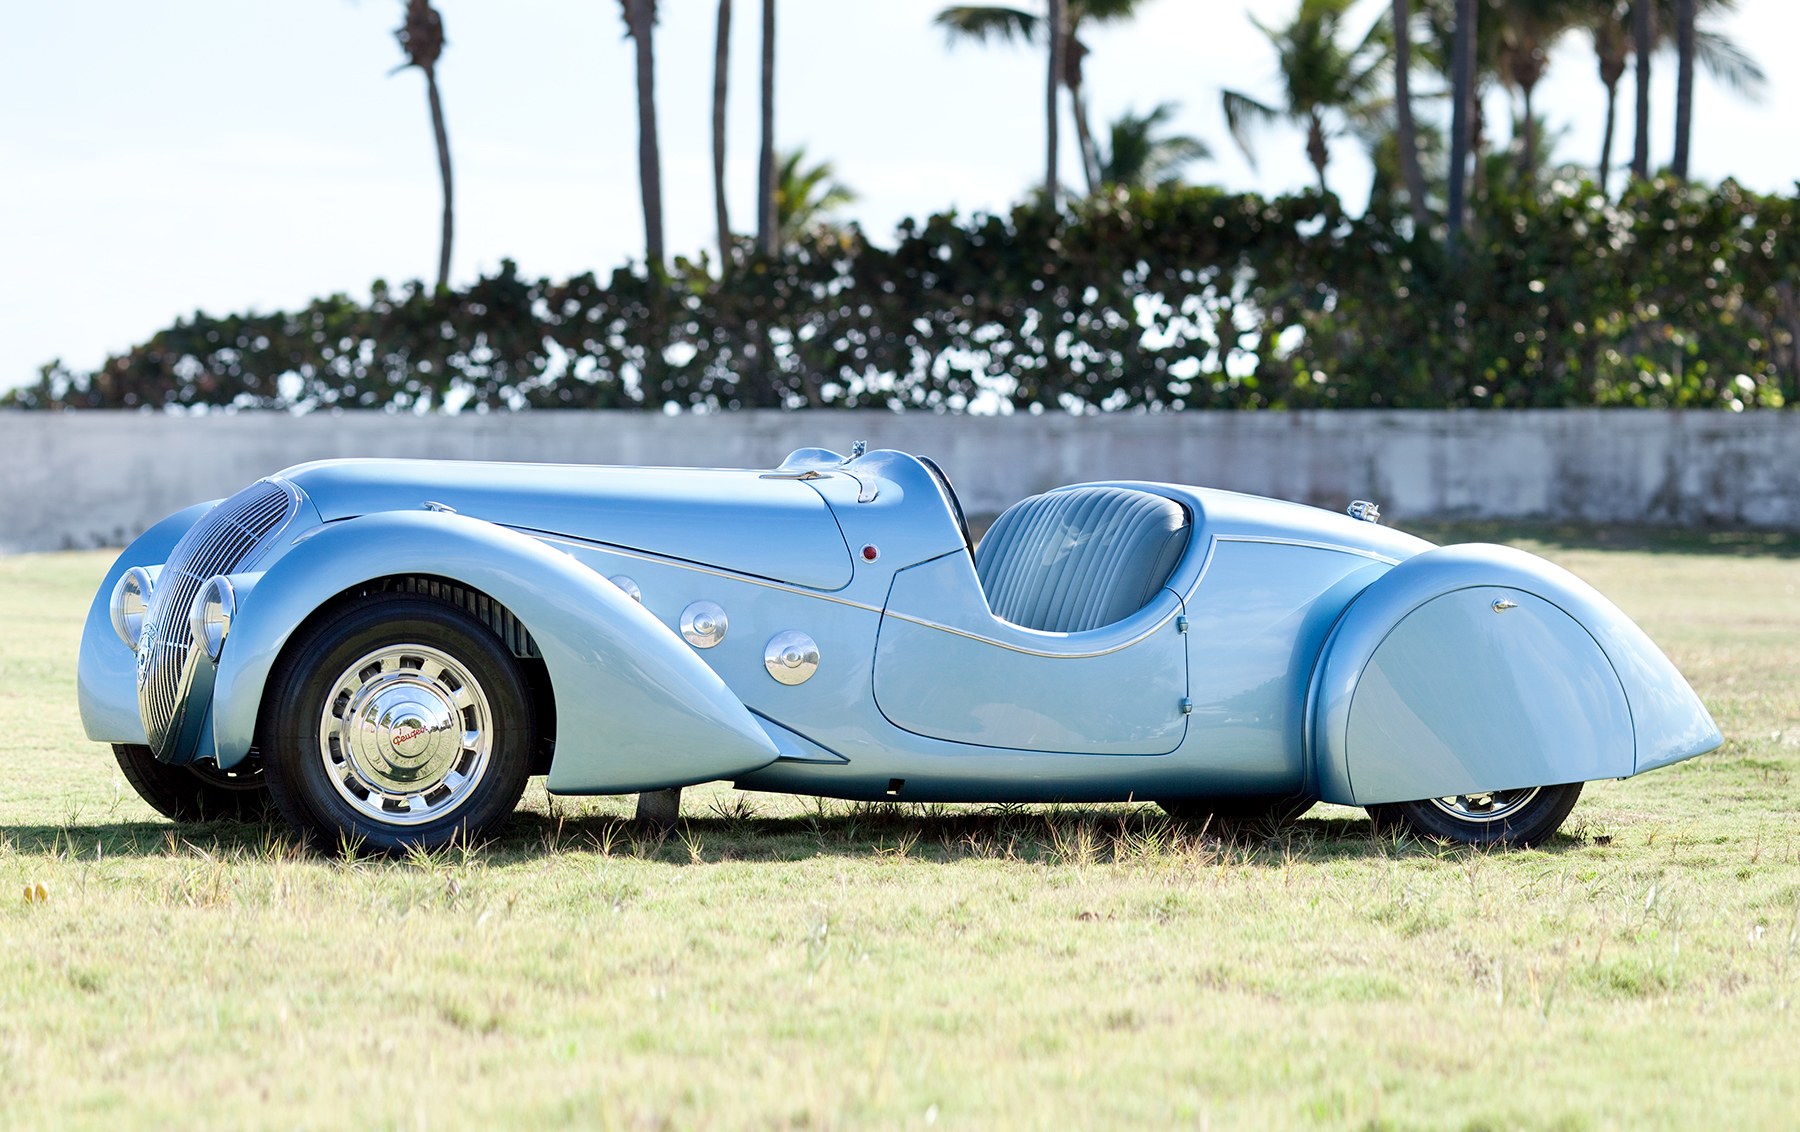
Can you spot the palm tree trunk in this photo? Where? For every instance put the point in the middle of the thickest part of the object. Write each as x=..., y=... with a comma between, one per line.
x=1642, y=43
x=1315, y=147
x=1611, y=50
x=1606, y=141
x=443, y=153
x=1059, y=22
x=768, y=234
x=421, y=36
x=641, y=20
x=1462, y=86
x=721, y=70
x=1408, y=133
x=1528, y=153
x=1684, y=85
x=1090, y=157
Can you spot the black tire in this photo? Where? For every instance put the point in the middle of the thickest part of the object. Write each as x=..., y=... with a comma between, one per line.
x=1516, y=818
x=197, y=793
x=397, y=722
x=1231, y=812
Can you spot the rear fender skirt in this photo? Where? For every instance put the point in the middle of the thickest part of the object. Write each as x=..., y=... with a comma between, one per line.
x=1479, y=667
x=635, y=709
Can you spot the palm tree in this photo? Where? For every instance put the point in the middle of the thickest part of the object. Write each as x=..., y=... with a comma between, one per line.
x=768, y=228
x=1612, y=46
x=1528, y=30
x=1138, y=156
x=640, y=27
x=1406, y=134
x=1059, y=62
x=1325, y=84
x=804, y=194
x=981, y=23
x=1684, y=85
x=1614, y=27
x=1643, y=38
x=721, y=68
x=1381, y=138
x=421, y=36
x=1723, y=57
x=1462, y=126
x=1459, y=25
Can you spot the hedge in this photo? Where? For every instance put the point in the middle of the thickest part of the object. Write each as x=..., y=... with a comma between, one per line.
x=1675, y=295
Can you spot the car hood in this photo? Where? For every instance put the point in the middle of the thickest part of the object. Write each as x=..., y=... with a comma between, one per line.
x=741, y=521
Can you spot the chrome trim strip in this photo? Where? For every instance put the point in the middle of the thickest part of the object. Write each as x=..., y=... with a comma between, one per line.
x=1279, y=541
x=683, y=564
x=1181, y=599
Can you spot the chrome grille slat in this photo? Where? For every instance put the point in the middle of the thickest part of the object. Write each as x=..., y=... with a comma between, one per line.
x=223, y=540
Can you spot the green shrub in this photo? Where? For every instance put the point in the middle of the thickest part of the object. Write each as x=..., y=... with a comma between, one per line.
x=1167, y=299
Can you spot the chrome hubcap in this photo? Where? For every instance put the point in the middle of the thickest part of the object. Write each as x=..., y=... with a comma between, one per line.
x=406, y=734
x=1493, y=806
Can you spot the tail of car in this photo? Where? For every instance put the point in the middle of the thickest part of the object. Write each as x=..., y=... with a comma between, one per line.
x=1480, y=668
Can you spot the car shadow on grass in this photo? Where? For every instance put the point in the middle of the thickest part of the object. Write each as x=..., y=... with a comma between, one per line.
x=1046, y=835
x=98, y=840
x=1038, y=835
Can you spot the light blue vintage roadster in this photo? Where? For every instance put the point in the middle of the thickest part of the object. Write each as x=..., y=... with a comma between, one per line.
x=386, y=650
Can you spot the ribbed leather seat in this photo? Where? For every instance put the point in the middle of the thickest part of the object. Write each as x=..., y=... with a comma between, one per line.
x=1079, y=559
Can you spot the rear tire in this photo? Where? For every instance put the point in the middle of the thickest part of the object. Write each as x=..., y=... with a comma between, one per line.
x=397, y=722
x=196, y=793
x=1515, y=818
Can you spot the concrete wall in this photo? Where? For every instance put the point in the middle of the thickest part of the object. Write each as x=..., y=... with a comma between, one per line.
x=97, y=478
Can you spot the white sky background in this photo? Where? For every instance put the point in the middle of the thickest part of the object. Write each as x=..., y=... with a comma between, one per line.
x=163, y=156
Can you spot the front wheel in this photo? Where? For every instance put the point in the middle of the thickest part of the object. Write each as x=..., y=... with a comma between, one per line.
x=1520, y=818
x=397, y=722
x=195, y=793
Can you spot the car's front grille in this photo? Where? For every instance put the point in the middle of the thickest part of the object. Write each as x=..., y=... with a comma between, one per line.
x=222, y=541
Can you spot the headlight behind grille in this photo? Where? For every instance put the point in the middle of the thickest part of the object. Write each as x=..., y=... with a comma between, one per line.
x=130, y=598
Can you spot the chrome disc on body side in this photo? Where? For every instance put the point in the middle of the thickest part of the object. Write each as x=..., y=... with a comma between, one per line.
x=406, y=734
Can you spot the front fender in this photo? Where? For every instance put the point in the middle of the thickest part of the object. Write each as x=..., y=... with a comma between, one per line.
x=1478, y=667
x=635, y=709
x=106, y=673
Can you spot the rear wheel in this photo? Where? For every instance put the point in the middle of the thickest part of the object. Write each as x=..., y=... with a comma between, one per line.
x=197, y=792
x=1499, y=817
x=398, y=722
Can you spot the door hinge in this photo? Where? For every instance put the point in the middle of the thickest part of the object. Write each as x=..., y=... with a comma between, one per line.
x=1181, y=624
x=1187, y=706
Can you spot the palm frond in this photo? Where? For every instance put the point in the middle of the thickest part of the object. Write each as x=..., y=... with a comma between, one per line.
x=1241, y=112
x=984, y=23
x=804, y=194
x=1102, y=11
x=1137, y=156
x=1727, y=61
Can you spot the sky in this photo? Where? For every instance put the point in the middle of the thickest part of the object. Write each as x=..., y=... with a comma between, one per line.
x=159, y=157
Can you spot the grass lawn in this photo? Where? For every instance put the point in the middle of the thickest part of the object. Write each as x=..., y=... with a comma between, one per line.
x=781, y=963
